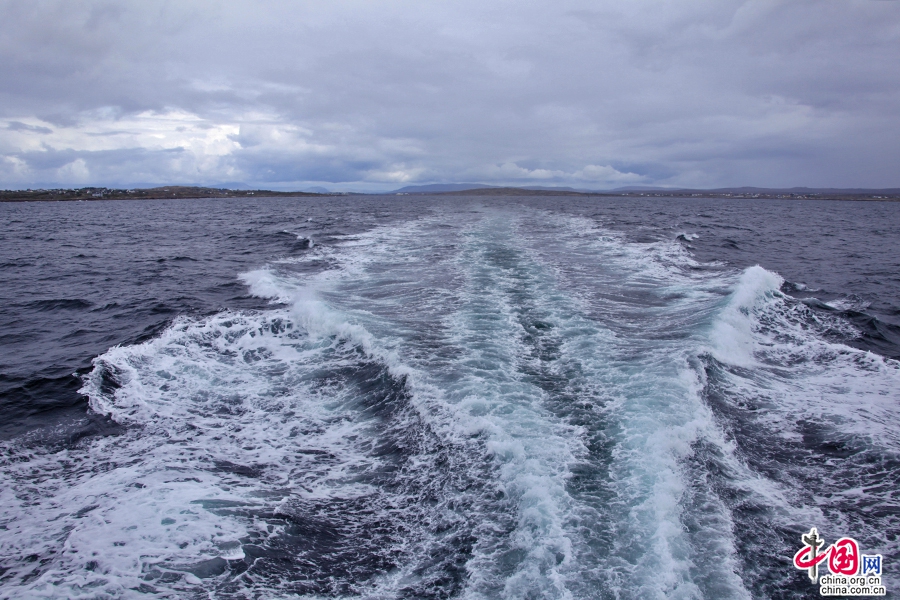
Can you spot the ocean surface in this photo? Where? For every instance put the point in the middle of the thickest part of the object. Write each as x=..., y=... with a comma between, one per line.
x=445, y=397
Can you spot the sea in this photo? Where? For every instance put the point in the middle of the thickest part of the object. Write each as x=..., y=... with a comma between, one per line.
x=560, y=397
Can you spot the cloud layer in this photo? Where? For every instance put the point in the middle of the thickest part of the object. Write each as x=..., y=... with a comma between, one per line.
x=370, y=95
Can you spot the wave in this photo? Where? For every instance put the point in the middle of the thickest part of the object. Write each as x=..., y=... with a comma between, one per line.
x=301, y=242
x=248, y=437
x=488, y=405
x=810, y=421
x=60, y=304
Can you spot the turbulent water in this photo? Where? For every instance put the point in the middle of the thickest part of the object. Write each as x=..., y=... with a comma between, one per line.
x=445, y=397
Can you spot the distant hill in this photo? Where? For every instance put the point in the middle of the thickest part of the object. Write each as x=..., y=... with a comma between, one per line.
x=640, y=188
x=460, y=189
x=435, y=188
x=547, y=188
x=777, y=192
x=521, y=191
x=441, y=188
x=799, y=193
x=167, y=192
x=805, y=190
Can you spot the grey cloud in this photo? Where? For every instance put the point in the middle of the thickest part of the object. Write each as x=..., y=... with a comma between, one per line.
x=18, y=126
x=104, y=168
x=774, y=92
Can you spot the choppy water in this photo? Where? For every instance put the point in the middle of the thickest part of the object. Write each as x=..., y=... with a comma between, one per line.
x=444, y=397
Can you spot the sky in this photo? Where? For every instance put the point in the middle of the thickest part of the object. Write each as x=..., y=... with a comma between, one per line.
x=355, y=95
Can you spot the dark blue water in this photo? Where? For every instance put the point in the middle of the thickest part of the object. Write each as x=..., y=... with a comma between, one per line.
x=444, y=397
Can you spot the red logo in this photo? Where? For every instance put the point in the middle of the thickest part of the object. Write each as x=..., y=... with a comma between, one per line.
x=844, y=559
x=843, y=555
x=851, y=573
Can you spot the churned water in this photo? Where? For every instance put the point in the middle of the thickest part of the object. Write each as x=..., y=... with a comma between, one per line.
x=444, y=397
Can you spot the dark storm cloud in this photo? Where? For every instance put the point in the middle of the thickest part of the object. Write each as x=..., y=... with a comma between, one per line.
x=372, y=95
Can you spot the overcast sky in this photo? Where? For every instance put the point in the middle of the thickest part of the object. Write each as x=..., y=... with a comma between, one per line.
x=373, y=95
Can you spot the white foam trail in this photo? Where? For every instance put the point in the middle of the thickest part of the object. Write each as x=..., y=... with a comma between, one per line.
x=653, y=412
x=560, y=364
x=732, y=332
x=533, y=447
x=802, y=397
x=761, y=328
x=139, y=502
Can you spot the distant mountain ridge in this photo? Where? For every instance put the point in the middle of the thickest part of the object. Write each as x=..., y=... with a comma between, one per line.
x=439, y=188
x=462, y=189
x=475, y=188
x=158, y=193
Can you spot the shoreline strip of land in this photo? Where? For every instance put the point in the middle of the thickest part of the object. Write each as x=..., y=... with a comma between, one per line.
x=193, y=192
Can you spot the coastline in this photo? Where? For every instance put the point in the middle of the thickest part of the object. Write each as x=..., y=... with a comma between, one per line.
x=191, y=192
